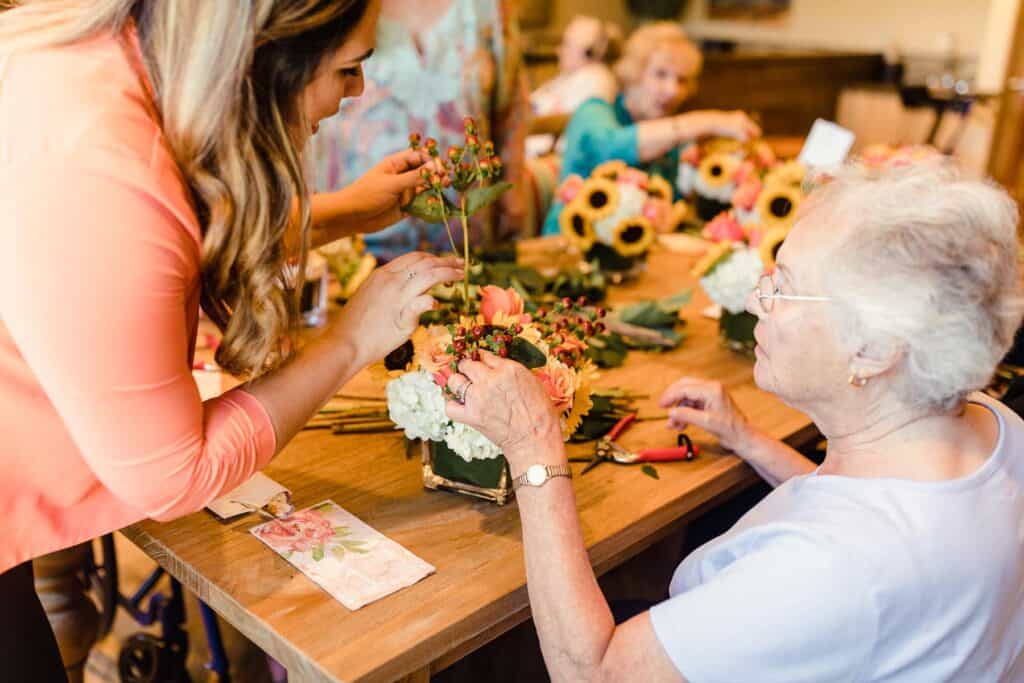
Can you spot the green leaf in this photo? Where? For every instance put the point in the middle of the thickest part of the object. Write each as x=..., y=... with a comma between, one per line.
x=674, y=303
x=338, y=552
x=479, y=197
x=429, y=212
x=607, y=350
x=526, y=353
x=318, y=553
x=647, y=314
x=324, y=507
x=341, y=531
x=356, y=547
x=650, y=471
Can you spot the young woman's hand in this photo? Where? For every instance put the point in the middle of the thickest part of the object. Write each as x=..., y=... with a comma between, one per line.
x=375, y=200
x=386, y=309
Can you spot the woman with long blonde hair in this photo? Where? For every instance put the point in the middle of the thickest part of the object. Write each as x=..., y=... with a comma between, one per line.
x=149, y=165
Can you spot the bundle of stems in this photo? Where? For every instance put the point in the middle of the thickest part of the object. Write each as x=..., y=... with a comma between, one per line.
x=355, y=420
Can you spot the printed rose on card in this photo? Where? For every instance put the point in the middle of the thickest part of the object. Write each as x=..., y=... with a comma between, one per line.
x=341, y=554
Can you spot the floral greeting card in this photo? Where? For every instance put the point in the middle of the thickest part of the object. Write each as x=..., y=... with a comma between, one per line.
x=342, y=555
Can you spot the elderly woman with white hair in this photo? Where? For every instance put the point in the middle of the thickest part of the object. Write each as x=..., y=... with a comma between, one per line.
x=658, y=70
x=900, y=558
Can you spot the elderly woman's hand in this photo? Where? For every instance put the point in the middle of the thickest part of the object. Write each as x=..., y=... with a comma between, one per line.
x=709, y=406
x=728, y=124
x=504, y=401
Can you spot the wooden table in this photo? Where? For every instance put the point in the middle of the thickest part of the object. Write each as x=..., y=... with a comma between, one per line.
x=479, y=590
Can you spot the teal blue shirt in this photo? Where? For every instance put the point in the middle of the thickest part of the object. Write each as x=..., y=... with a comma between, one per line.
x=600, y=132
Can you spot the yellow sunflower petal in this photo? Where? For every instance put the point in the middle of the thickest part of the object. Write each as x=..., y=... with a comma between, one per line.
x=715, y=253
x=777, y=205
x=581, y=405
x=788, y=173
x=659, y=188
x=770, y=246
x=577, y=226
x=633, y=236
x=716, y=170
x=609, y=169
x=681, y=212
x=599, y=196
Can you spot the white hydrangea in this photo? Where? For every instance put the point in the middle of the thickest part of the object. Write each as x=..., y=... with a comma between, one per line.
x=722, y=193
x=468, y=443
x=686, y=178
x=416, y=405
x=730, y=282
x=631, y=203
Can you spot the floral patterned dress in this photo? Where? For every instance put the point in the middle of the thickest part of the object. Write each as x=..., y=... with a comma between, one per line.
x=466, y=63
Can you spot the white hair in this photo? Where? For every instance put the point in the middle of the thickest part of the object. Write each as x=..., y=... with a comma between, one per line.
x=928, y=261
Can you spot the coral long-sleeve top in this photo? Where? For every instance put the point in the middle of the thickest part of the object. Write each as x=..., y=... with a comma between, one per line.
x=101, y=424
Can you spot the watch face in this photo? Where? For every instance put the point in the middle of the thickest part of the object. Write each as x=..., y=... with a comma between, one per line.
x=536, y=475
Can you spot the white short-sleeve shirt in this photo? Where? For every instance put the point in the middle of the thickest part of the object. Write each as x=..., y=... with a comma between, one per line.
x=841, y=579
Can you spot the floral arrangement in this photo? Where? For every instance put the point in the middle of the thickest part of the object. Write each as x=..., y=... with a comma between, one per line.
x=880, y=157
x=457, y=186
x=616, y=212
x=722, y=175
x=552, y=343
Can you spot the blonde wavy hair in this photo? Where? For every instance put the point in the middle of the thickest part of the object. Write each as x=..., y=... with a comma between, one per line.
x=647, y=40
x=226, y=75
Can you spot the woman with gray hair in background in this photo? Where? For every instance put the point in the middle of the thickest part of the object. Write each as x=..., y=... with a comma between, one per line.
x=900, y=558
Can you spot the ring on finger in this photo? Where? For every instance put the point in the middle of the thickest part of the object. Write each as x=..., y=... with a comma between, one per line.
x=460, y=394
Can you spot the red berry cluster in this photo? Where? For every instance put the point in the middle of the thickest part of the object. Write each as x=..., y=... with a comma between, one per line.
x=467, y=342
x=462, y=166
x=568, y=318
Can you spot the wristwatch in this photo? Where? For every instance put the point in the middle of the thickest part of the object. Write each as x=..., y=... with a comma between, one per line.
x=538, y=475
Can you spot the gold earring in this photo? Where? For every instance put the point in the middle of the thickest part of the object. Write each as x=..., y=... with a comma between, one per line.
x=857, y=381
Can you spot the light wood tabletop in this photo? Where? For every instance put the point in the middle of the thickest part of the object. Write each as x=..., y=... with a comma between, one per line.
x=479, y=589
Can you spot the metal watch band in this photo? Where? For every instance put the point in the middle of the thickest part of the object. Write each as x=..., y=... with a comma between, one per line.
x=550, y=471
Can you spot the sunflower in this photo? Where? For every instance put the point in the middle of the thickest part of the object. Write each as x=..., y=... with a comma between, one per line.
x=659, y=188
x=722, y=146
x=715, y=253
x=577, y=226
x=599, y=197
x=716, y=170
x=789, y=173
x=677, y=217
x=777, y=206
x=632, y=236
x=770, y=246
x=581, y=405
x=609, y=169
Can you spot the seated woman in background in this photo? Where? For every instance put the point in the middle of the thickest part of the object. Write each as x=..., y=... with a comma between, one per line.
x=658, y=70
x=434, y=64
x=588, y=46
x=901, y=557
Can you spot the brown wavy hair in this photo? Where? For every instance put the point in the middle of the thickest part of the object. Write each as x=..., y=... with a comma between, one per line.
x=226, y=76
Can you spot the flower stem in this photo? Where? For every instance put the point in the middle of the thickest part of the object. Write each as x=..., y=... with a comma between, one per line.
x=444, y=219
x=465, y=250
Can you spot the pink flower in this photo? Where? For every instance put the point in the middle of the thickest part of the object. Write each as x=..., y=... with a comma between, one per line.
x=442, y=375
x=755, y=235
x=691, y=155
x=299, y=533
x=500, y=304
x=746, y=194
x=633, y=176
x=744, y=172
x=657, y=211
x=431, y=346
x=569, y=188
x=560, y=383
x=764, y=155
x=724, y=228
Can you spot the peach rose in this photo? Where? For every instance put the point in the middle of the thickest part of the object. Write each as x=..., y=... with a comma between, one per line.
x=657, y=211
x=569, y=188
x=560, y=383
x=299, y=533
x=744, y=172
x=724, y=228
x=746, y=194
x=497, y=304
x=691, y=155
x=634, y=176
x=431, y=345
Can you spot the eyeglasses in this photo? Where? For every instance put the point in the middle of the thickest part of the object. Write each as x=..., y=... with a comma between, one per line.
x=767, y=301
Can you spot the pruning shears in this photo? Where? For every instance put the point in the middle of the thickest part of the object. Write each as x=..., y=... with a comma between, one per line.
x=609, y=451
